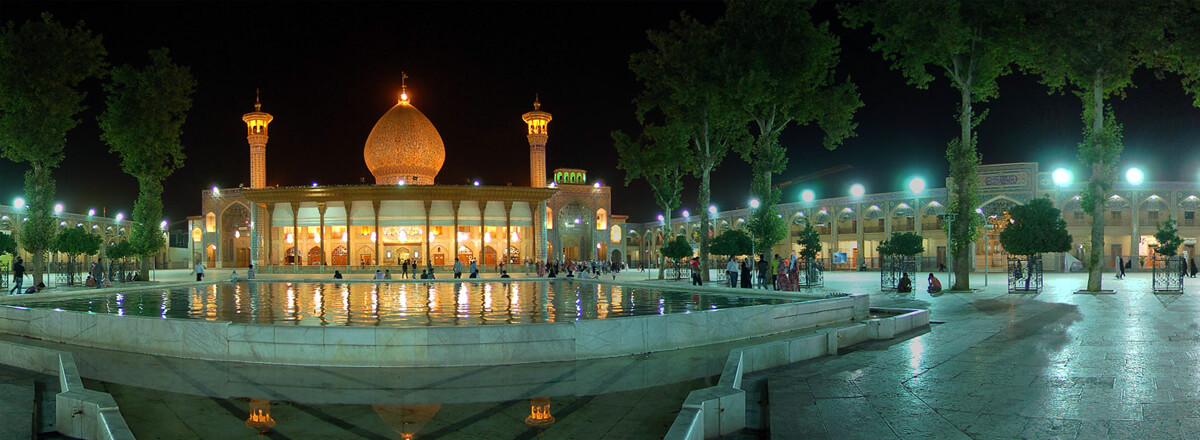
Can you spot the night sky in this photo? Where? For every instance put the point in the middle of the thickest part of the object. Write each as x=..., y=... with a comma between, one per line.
x=328, y=71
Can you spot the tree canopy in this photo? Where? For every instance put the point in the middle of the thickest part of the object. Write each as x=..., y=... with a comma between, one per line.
x=1036, y=227
x=1168, y=239
x=659, y=156
x=119, y=250
x=8, y=245
x=809, y=241
x=677, y=248
x=142, y=125
x=732, y=242
x=41, y=66
x=971, y=43
x=902, y=243
x=76, y=241
x=1092, y=49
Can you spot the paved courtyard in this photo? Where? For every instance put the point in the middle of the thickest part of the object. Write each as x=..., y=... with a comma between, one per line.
x=997, y=365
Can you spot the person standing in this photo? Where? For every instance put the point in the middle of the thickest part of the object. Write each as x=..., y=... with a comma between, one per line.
x=199, y=271
x=250, y=272
x=457, y=268
x=1121, y=262
x=731, y=272
x=404, y=269
x=98, y=273
x=696, y=279
x=18, y=269
x=763, y=269
x=746, y=279
x=1193, y=268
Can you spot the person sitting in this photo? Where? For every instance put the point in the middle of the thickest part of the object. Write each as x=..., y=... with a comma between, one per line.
x=233, y=276
x=91, y=282
x=337, y=275
x=905, y=284
x=570, y=273
x=250, y=272
x=935, y=285
x=387, y=274
x=504, y=274
x=35, y=289
x=424, y=274
x=378, y=274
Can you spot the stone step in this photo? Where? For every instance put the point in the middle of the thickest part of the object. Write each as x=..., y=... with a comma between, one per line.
x=17, y=407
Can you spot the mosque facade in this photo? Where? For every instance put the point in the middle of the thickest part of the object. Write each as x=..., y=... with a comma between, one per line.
x=406, y=215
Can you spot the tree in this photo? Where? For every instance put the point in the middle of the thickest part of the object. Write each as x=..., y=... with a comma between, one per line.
x=780, y=67
x=119, y=250
x=732, y=242
x=906, y=244
x=7, y=244
x=972, y=44
x=1036, y=227
x=142, y=124
x=809, y=241
x=660, y=157
x=1168, y=239
x=41, y=64
x=683, y=84
x=75, y=242
x=677, y=249
x=767, y=227
x=1093, y=48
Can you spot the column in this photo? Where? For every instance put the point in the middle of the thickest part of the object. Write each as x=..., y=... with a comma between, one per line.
x=833, y=235
x=321, y=211
x=507, y=231
x=862, y=251
x=539, y=237
x=254, y=235
x=428, y=246
x=270, y=261
x=295, y=236
x=1135, y=224
x=887, y=221
x=349, y=235
x=378, y=236
x=479, y=260
x=917, y=217
x=375, y=205
x=454, y=213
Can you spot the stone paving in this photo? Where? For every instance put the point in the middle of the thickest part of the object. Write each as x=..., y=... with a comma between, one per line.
x=1052, y=365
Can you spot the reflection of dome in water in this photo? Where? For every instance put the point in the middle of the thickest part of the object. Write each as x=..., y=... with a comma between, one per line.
x=407, y=420
x=404, y=146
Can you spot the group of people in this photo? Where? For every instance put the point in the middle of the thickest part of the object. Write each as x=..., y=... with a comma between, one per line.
x=579, y=269
x=18, y=269
x=904, y=285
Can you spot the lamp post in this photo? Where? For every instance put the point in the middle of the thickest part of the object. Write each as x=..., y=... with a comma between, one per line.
x=950, y=216
x=856, y=191
x=1134, y=176
x=917, y=186
x=1062, y=178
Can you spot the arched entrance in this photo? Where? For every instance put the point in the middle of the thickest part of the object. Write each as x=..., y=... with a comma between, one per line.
x=235, y=236
x=289, y=256
x=616, y=257
x=340, y=257
x=464, y=254
x=315, y=257
x=439, y=256
x=513, y=256
x=489, y=256
x=366, y=255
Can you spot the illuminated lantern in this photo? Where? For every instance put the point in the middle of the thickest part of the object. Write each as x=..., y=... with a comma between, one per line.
x=260, y=416
x=539, y=413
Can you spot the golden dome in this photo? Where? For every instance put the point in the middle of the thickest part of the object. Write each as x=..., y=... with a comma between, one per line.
x=404, y=146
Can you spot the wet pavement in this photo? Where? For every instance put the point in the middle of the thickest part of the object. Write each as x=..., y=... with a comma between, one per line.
x=998, y=365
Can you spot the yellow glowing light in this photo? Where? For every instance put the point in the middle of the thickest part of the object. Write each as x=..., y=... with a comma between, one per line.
x=289, y=239
x=316, y=236
x=373, y=237
x=487, y=237
x=345, y=236
x=403, y=96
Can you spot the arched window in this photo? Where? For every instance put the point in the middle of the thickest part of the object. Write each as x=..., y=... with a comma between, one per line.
x=614, y=234
x=601, y=219
x=197, y=235
x=210, y=222
x=549, y=218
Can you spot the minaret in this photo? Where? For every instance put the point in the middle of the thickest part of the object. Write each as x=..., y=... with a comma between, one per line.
x=256, y=135
x=538, y=133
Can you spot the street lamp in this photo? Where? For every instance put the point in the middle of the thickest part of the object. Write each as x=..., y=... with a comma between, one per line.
x=754, y=203
x=58, y=208
x=661, y=218
x=1134, y=176
x=1061, y=177
x=92, y=212
x=120, y=216
x=686, y=214
x=19, y=203
x=712, y=209
x=857, y=190
x=807, y=196
x=916, y=185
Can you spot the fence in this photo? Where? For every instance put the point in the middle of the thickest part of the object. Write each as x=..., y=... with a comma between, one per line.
x=1025, y=273
x=1168, y=274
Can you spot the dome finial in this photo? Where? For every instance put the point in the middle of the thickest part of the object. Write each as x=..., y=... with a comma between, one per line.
x=537, y=103
x=403, y=88
x=257, y=105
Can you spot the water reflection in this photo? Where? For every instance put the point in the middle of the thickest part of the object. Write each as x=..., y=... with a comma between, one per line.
x=397, y=304
x=260, y=416
x=407, y=420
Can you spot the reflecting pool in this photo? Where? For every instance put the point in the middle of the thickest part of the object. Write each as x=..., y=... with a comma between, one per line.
x=400, y=303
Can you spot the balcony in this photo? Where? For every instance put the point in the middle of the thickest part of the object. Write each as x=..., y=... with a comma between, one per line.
x=872, y=229
x=847, y=230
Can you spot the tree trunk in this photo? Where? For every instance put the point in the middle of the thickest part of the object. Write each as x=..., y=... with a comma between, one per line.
x=1096, y=255
x=39, y=267
x=705, y=195
x=145, y=262
x=960, y=240
x=662, y=260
